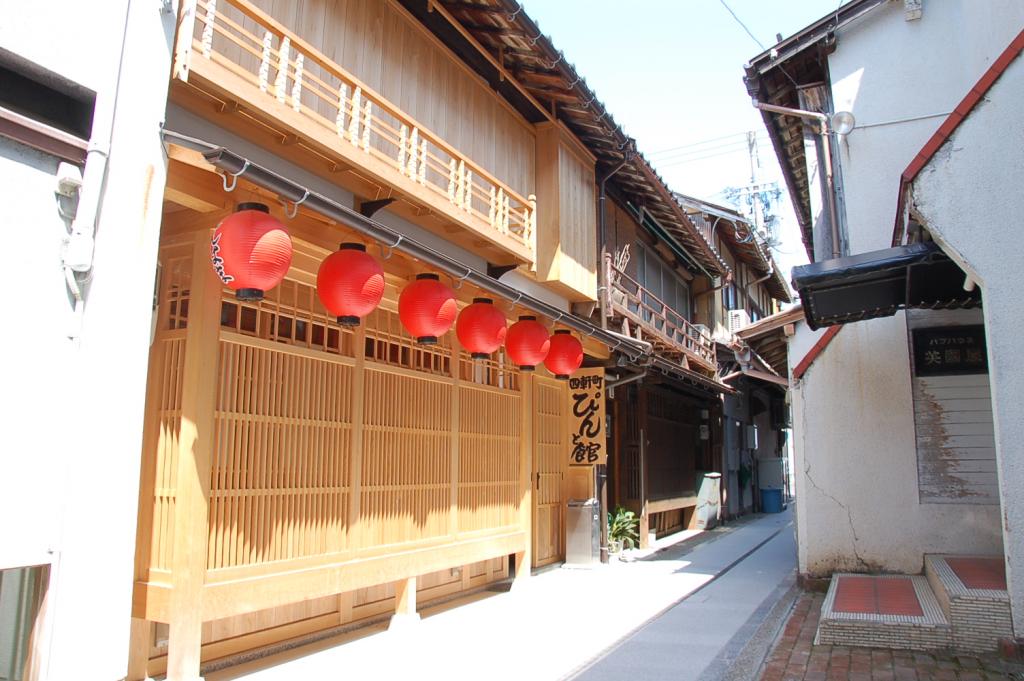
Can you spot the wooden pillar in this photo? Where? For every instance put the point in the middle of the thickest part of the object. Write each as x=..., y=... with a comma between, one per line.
x=345, y=602
x=405, y=604
x=523, y=560
x=195, y=448
x=353, y=531
x=645, y=517
x=456, y=392
x=140, y=639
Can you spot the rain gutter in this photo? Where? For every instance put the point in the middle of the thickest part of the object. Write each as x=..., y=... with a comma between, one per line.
x=236, y=166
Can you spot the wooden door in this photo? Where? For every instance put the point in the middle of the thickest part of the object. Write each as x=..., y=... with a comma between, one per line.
x=549, y=462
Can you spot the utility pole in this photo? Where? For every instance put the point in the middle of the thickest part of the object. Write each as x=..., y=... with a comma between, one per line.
x=755, y=164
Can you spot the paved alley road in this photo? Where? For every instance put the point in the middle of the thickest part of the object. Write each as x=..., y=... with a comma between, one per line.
x=684, y=610
x=703, y=635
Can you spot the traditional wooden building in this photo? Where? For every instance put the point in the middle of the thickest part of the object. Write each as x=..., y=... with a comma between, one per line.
x=298, y=475
x=661, y=442
x=753, y=428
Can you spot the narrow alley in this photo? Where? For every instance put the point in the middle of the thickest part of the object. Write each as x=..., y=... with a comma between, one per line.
x=684, y=612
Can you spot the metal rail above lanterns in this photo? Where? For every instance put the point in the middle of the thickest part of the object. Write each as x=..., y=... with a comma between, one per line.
x=236, y=166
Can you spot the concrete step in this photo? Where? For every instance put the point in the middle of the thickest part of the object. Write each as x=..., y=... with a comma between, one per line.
x=883, y=611
x=971, y=590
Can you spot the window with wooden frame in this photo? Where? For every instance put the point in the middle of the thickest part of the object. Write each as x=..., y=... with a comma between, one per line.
x=661, y=282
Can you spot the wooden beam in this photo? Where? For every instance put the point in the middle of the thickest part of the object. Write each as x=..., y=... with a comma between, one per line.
x=524, y=558
x=183, y=40
x=194, y=189
x=553, y=80
x=405, y=604
x=195, y=449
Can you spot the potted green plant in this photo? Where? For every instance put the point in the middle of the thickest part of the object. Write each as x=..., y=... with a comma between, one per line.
x=623, y=530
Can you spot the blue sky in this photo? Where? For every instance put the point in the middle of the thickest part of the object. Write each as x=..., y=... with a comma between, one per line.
x=671, y=73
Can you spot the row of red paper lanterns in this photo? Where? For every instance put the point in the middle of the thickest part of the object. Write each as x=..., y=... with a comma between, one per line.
x=252, y=251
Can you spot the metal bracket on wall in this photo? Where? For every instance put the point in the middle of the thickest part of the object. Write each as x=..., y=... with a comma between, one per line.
x=368, y=208
x=496, y=271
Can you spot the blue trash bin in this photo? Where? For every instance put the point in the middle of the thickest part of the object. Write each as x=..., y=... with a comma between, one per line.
x=771, y=500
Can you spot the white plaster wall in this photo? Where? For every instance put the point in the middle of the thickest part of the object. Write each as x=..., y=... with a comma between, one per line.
x=36, y=355
x=856, y=465
x=78, y=40
x=72, y=412
x=856, y=475
x=970, y=198
x=887, y=69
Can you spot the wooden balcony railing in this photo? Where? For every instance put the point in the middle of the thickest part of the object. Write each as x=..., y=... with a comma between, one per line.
x=263, y=64
x=658, y=323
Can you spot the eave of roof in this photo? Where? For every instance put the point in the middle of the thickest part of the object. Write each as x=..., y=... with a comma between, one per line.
x=751, y=251
x=506, y=32
x=949, y=126
x=772, y=77
x=817, y=31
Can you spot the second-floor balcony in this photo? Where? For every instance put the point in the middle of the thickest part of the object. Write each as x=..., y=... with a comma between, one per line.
x=247, y=59
x=637, y=312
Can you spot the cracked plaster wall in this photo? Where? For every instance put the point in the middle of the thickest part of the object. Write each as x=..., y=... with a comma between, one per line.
x=970, y=198
x=856, y=463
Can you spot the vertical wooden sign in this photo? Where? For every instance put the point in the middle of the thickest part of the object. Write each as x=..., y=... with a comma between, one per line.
x=587, y=444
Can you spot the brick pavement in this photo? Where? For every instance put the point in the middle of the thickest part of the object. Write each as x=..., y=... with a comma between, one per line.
x=796, y=658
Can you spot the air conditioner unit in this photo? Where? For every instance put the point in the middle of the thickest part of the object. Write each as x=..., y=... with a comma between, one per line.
x=738, y=319
x=698, y=330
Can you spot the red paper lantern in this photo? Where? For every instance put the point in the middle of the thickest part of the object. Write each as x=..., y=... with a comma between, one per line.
x=527, y=343
x=350, y=283
x=251, y=251
x=427, y=308
x=565, y=355
x=481, y=328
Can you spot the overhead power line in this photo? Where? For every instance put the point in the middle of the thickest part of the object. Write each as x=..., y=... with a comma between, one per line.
x=737, y=135
x=738, y=21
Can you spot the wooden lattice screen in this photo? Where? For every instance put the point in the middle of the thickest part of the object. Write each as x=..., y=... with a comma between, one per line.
x=329, y=443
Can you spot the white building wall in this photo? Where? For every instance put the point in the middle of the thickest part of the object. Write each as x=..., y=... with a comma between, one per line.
x=856, y=472
x=71, y=411
x=970, y=198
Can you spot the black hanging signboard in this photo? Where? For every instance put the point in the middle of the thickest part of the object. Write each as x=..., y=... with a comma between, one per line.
x=950, y=350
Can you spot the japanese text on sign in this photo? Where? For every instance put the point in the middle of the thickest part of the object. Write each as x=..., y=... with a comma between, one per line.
x=587, y=415
x=950, y=350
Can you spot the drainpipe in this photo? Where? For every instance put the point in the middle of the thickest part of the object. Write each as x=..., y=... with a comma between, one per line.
x=771, y=271
x=623, y=381
x=823, y=132
x=80, y=244
x=726, y=282
x=601, y=471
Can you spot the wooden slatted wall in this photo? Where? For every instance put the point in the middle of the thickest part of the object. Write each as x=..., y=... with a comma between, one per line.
x=956, y=455
x=550, y=454
x=163, y=421
x=438, y=440
x=280, y=481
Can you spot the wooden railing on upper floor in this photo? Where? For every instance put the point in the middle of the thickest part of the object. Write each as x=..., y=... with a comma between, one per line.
x=657, y=322
x=299, y=84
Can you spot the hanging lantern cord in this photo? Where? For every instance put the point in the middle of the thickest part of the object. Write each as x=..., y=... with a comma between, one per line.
x=388, y=251
x=234, y=178
x=457, y=284
x=291, y=213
